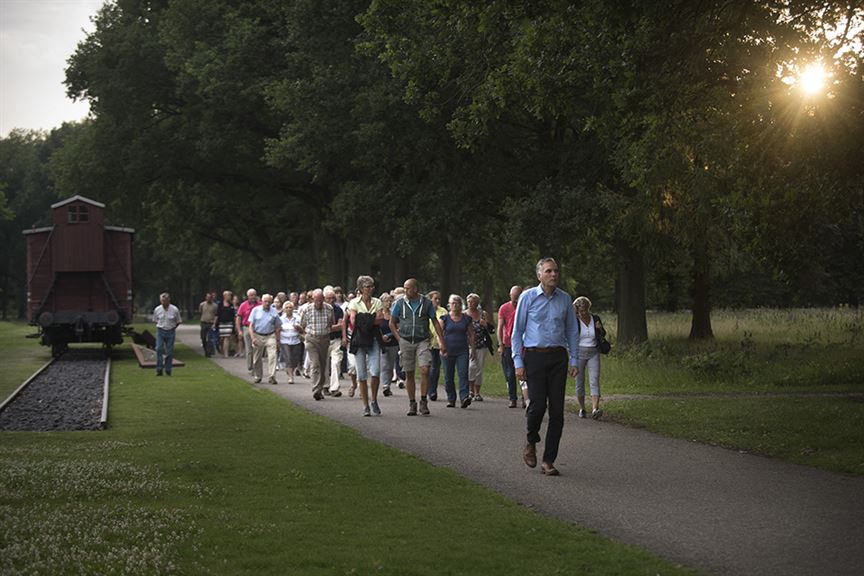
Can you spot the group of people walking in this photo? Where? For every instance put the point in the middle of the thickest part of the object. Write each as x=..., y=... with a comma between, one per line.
x=542, y=336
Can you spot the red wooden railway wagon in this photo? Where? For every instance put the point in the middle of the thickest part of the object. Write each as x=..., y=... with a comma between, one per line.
x=79, y=276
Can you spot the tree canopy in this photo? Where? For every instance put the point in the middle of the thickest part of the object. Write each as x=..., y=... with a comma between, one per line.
x=663, y=151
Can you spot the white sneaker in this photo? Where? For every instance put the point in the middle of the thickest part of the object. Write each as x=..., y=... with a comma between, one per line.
x=596, y=414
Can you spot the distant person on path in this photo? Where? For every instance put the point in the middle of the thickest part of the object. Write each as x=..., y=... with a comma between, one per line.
x=264, y=328
x=239, y=348
x=289, y=340
x=225, y=314
x=459, y=338
x=167, y=318
x=334, y=352
x=506, y=316
x=207, y=310
x=409, y=322
x=389, y=345
x=316, y=319
x=364, y=312
x=482, y=345
x=397, y=293
x=435, y=346
x=243, y=313
x=545, y=335
x=591, y=332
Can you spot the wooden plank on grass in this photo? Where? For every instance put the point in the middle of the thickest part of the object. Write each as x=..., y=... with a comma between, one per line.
x=147, y=357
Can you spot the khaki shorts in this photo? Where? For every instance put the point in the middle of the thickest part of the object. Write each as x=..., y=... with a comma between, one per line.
x=413, y=354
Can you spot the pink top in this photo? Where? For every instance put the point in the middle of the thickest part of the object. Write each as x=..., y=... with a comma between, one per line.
x=506, y=317
x=244, y=310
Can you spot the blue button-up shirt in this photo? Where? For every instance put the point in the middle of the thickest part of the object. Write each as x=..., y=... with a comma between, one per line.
x=545, y=322
x=264, y=321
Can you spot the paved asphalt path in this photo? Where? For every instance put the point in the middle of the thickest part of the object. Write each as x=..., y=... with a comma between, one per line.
x=709, y=508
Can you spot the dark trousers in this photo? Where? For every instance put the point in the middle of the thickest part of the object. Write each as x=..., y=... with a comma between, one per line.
x=205, y=338
x=546, y=374
x=434, y=372
x=509, y=371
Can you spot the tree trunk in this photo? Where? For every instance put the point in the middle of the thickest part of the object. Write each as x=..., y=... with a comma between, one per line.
x=312, y=278
x=451, y=268
x=402, y=270
x=388, y=279
x=632, y=323
x=188, y=298
x=700, y=325
x=4, y=291
x=488, y=296
x=359, y=263
x=672, y=288
x=336, y=251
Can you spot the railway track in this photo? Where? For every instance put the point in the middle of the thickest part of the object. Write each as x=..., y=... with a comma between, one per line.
x=67, y=393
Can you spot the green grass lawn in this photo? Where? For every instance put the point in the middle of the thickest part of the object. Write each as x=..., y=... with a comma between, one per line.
x=823, y=432
x=19, y=355
x=771, y=352
x=202, y=474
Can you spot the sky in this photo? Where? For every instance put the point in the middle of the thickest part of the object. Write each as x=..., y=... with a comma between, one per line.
x=36, y=39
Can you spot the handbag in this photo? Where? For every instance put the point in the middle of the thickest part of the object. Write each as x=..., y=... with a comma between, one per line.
x=604, y=346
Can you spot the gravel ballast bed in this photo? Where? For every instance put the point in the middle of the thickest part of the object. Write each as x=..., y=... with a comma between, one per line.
x=66, y=396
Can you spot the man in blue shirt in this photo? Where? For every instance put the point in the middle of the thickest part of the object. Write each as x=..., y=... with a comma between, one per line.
x=264, y=328
x=545, y=335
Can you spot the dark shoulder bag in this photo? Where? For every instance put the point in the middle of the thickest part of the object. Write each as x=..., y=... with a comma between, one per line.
x=602, y=344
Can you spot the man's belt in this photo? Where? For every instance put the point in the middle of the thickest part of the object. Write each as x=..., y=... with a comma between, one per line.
x=263, y=333
x=551, y=350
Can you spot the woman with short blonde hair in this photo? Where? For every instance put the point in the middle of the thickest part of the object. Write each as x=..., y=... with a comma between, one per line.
x=224, y=324
x=390, y=347
x=483, y=328
x=591, y=332
x=435, y=346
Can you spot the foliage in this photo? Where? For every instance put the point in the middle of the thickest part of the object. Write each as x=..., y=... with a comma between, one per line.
x=666, y=162
x=653, y=105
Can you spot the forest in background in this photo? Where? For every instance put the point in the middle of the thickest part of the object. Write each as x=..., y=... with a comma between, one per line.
x=662, y=152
